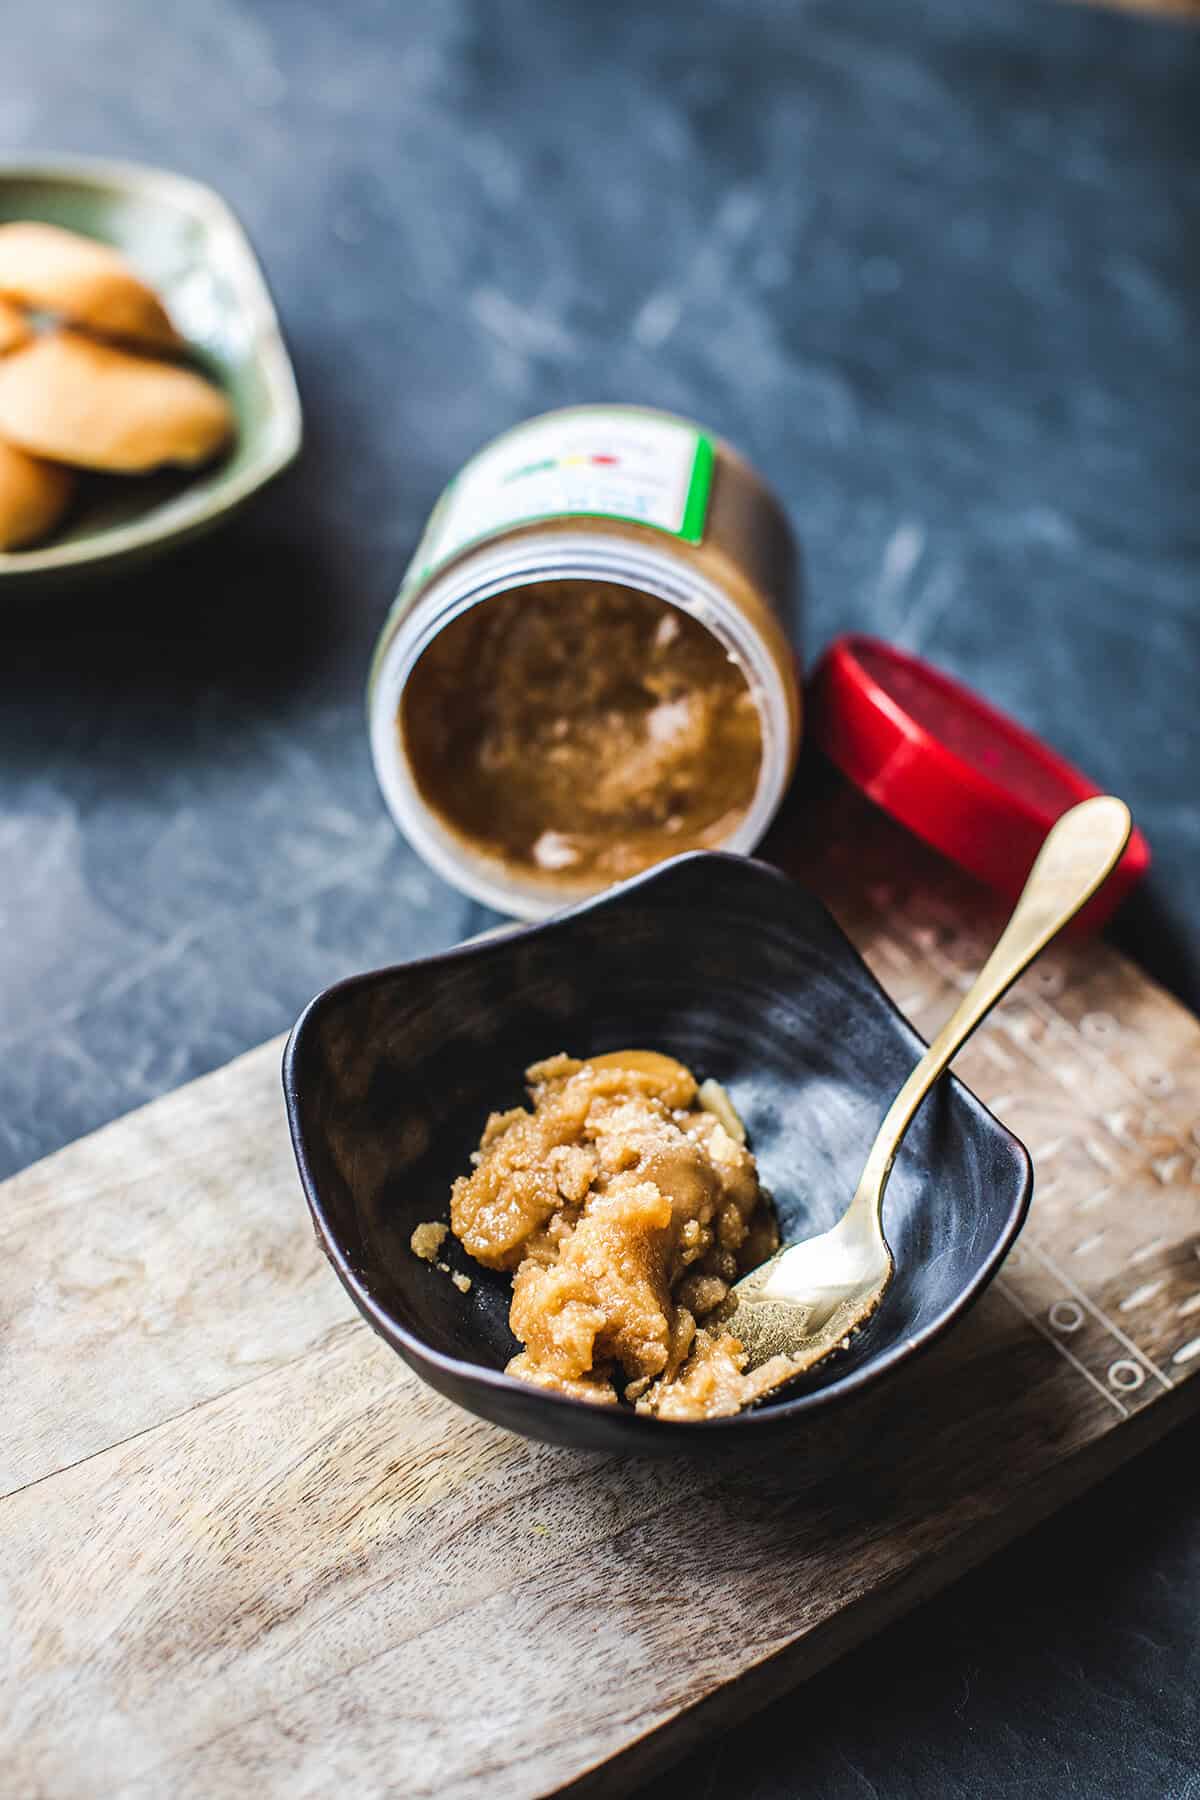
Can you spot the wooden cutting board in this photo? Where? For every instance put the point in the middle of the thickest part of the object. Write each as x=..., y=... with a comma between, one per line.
x=244, y=1551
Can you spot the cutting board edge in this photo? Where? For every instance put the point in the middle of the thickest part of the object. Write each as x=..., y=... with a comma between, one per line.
x=783, y=1671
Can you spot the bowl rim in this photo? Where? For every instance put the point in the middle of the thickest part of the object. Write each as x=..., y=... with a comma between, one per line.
x=418, y=1352
x=267, y=348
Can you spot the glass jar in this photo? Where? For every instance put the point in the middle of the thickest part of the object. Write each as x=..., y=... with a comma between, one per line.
x=593, y=498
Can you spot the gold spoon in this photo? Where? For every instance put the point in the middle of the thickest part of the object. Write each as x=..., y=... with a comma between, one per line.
x=808, y=1299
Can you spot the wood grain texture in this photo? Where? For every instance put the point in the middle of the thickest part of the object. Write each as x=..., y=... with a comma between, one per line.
x=244, y=1549
x=141, y=1273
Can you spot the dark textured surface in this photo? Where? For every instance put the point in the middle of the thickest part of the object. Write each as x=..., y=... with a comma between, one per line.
x=935, y=269
x=388, y=1076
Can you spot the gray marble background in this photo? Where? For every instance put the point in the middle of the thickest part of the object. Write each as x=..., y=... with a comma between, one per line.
x=935, y=269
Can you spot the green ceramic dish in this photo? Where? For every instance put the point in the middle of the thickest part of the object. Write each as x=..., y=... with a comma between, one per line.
x=183, y=238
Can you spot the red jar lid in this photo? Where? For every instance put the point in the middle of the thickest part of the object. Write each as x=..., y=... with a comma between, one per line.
x=954, y=770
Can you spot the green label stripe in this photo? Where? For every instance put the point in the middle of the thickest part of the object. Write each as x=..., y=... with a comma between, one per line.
x=695, y=509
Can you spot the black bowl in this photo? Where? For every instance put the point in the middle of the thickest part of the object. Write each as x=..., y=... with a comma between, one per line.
x=722, y=962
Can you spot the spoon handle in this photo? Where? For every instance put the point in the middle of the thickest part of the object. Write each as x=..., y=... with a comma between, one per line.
x=1079, y=852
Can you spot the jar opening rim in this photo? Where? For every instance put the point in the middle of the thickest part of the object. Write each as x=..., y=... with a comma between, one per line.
x=504, y=565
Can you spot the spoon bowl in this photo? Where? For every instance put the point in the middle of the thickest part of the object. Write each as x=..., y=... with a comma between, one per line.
x=807, y=1301
x=732, y=968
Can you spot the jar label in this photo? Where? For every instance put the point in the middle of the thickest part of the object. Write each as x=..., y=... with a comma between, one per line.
x=593, y=462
